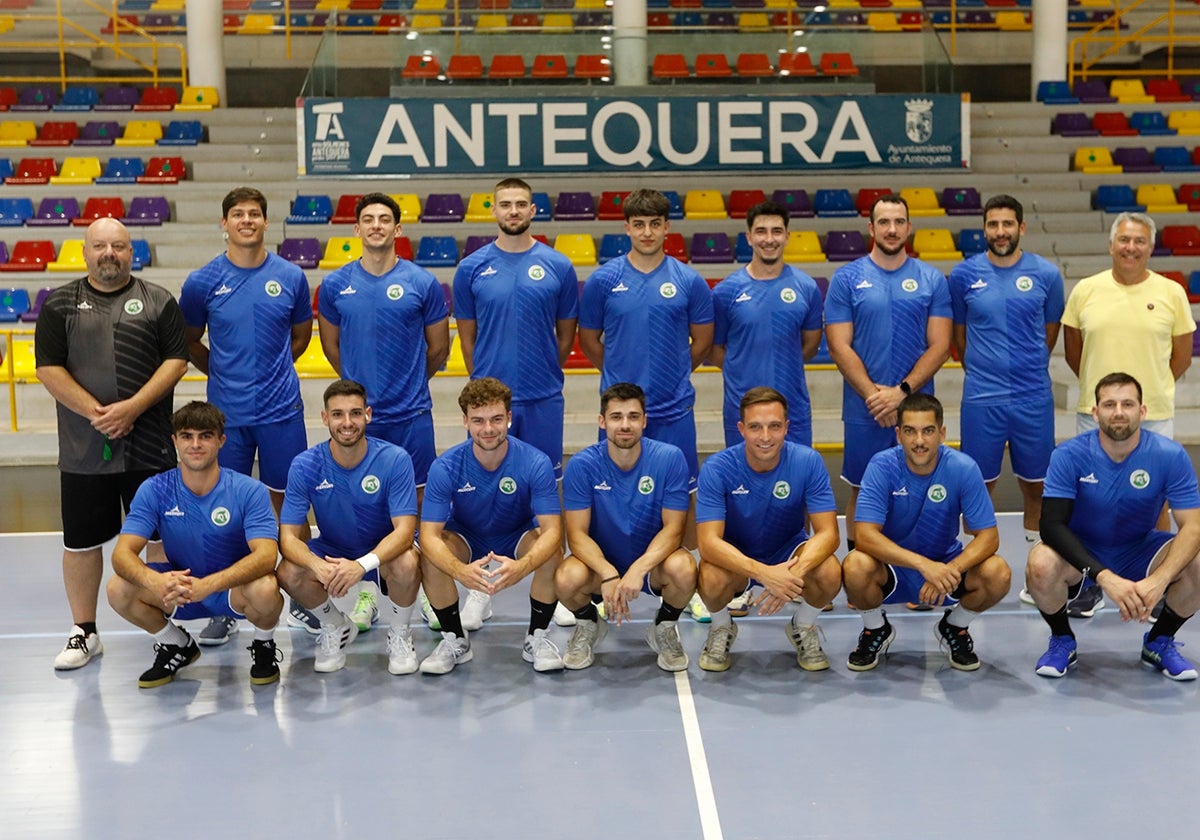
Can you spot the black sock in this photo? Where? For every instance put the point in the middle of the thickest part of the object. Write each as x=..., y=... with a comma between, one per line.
x=668, y=613
x=450, y=620
x=588, y=612
x=849, y=544
x=88, y=627
x=540, y=613
x=1168, y=623
x=1060, y=622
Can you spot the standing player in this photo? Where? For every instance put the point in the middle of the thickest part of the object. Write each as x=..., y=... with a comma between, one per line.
x=887, y=322
x=1104, y=492
x=753, y=502
x=626, y=501
x=908, y=549
x=110, y=349
x=767, y=324
x=364, y=498
x=490, y=517
x=218, y=532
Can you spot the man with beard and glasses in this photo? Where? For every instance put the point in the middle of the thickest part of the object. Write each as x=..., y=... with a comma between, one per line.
x=1100, y=509
x=362, y=493
x=110, y=348
x=888, y=325
x=767, y=324
x=626, y=500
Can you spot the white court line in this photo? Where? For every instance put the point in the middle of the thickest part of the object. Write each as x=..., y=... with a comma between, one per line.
x=710, y=821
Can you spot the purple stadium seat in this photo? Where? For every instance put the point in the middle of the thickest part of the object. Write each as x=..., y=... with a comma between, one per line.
x=98, y=133
x=845, y=245
x=55, y=212
x=36, y=98
x=474, y=243
x=120, y=98
x=961, y=201
x=442, y=207
x=304, y=251
x=1071, y=124
x=711, y=248
x=42, y=294
x=575, y=206
x=1092, y=90
x=148, y=210
x=797, y=203
x=1135, y=159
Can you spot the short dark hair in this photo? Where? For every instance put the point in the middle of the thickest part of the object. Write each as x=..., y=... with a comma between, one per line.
x=484, y=391
x=646, y=203
x=377, y=198
x=766, y=208
x=1118, y=378
x=890, y=198
x=761, y=395
x=344, y=388
x=239, y=194
x=512, y=184
x=198, y=416
x=621, y=391
x=1005, y=202
x=917, y=402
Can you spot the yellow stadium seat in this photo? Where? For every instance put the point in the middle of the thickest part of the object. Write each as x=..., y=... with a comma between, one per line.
x=803, y=246
x=70, y=257
x=77, y=170
x=17, y=133
x=7, y=22
x=883, y=22
x=1095, y=160
x=491, y=23
x=198, y=98
x=141, y=133
x=754, y=22
x=1014, y=21
x=410, y=207
x=455, y=363
x=558, y=22
x=168, y=5
x=333, y=5
x=340, y=250
x=1184, y=122
x=1159, y=198
x=1129, y=92
x=426, y=23
x=579, y=247
x=257, y=24
x=922, y=201
x=313, y=364
x=907, y=4
x=479, y=208
x=704, y=204
x=23, y=361
x=935, y=244
x=589, y=5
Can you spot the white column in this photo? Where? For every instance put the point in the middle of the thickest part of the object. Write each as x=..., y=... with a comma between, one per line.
x=629, y=57
x=205, y=45
x=1049, y=43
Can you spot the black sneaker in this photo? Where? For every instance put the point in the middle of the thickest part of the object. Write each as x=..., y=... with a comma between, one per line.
x=1086, y=603
x=264, y=661
x=169, y=660
x=957, y=643
x=871, y=645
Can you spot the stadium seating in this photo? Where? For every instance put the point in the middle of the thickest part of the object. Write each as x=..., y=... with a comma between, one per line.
x=122, y=171
x=441, y=207
x=33, y=171
x=704, y=204
x=803, y=246
x=1116, y=198
x=1150, y=123
x=935, y=244
x=845, y=245
x=302, y=251
x=163, y=170
x=14, y=211
x=56, y=133
x=1135, y=159
x=70, y=257
x=834, y=203
x=711, y=248
x=479, y=208
x=961, y=201
x=610, y=207
x=38, y=300
x=1183, y=240
x=1159, y=198
x=1072, y=124
x=55, y=212
x=435, y=251
x=30, y=255
x=78, y=98
x=575, y=206
x=797, y=202
x=740, y=201
x=340, y=250
x=1095, y=160
x=77, y=170
x=613, y=245
x=147, y=210
x=98, y=133
x=310, y=210
x=922, y=201
x=1113, y=124
x=13, y=304
x=580, y=248
x=157, y=99
x=100, y=207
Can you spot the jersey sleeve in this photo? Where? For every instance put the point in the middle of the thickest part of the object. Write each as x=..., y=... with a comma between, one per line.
x=720, y=300
x=939, y=303
x=1070, y=316
x=837, y=300
x=1060, y=477
x=700, y=302
x=327, y=301
x=295, y=497
x=171, y=341
x=710, y=495
x=958, y=299
x=1182, y=491
x=544, y=495
x=818, y=492
x=192, y=301
x=568, y=295
x=433, y=305
x=874, y=494
x=676, y=496
x=815, y=317
x=577, y=492
x=142, y=519
x=1054, y=295
x=435, y=507
x=258, y=517
x=50, y=338
x=591, y=303
x=464, y=298
x=977, y=508
x=402, y=485
x=1184, y=322
x=302, y=304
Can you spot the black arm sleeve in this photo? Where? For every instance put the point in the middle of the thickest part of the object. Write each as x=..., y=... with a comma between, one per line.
x=1056, y=513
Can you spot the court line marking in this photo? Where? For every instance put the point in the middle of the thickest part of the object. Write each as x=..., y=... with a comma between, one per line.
x=710, y=820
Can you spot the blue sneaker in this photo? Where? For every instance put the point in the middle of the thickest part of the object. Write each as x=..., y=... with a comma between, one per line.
x=1058, y=657
x=1162, y=655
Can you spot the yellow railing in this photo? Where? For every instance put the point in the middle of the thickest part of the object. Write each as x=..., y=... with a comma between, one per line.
x=1106, y=40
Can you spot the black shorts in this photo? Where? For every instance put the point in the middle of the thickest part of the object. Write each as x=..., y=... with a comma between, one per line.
x=93, y=505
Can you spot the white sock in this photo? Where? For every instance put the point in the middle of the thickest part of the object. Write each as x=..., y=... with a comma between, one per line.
x=328, y=613
x=806, y=615
x=400, y=616
x=873, y=619
x=172, y=634
x=1032, y=535
x=721, y=616
x=960, y=616
x=261, y=635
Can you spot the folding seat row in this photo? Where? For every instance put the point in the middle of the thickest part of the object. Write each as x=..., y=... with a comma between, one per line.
x=40, y=255
x=101, y=133
x=1123, y=90
x=1148, y=198
x=142, y=210
x=465, y=67
x=673, y=66
x=1119, y=124
x=116, y=98
x=1102, y=160
x=159, y=170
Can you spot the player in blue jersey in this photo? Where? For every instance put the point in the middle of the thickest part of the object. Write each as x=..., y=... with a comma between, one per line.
x=908, y=549
x=1100, y=508
x=516, y=302
x=362, y=493
x=626, y=501
x=490, y=517
x=753, y=501
x=888, y=326
x=257, y=310
x=218, y=533
x=383, y=323
x=767, y=324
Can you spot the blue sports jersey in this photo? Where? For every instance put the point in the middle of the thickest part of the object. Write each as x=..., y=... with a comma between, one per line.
x=762, y=511
x=920, y=512
x=759, y=322
x=249, y=314
x=1006, y=311
x=646, y=320
x=382, y=323
x=516, y=300
x=461, y=493
x=205, y=534
x=626, y=506
x=890, y=312
x=1117, y=504
x=354, y=508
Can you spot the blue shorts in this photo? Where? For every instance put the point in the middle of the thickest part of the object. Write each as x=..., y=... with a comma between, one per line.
x=904, y=586
x=1133, y=562
x=540, y=424
x=277, y=444
x=782, y=555
x=799, y=428
x=414, y=436
x=479, y=546
x=214, y=605
x=862, y=441
x=1027, y=426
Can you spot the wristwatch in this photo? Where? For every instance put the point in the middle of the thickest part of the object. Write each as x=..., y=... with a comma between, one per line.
x=905, y=387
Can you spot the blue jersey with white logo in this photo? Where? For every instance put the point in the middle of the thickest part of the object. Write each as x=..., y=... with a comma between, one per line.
x=1006, y=311
x=646, y=320
x=761, y=511
x=626, y=506
x=464, y=495
x=205, y=534
x=1117, y=504
x=759, y=322
x=249, y=313
x=354, y=508
x=890, y=312
x=920, y=512
x=382, y=323
x=516, y=300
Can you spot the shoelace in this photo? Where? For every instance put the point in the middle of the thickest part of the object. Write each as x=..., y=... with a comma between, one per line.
x=875, y=637
x=331, y=640
x=77, y=642
x=722, y=638
x=263, y=649
x=960, y=640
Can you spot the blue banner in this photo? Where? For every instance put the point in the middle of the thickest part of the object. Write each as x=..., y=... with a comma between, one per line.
x=420, y=136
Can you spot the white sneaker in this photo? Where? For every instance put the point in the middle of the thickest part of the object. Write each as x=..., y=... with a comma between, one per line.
x=451, y=650
x=664, y=640
x=697, y=610
x=427, y=612
x=476, y=609
x=402, y=655
x=366, y=609
x=1026, y=598
x=331, y=646
x=542, y=652
x=581, y=647
x=80, y=649
x=563, y=617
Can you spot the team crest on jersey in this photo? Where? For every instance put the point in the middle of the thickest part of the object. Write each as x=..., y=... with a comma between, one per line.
x=668, y=290
x=1024, y=283
x=133, y=306
x=937, y=493
x=508, y=486
x=645, y=485
x=536, y=272
x=220, y=516
x=370, y=484
x=909, y=285
x=787, y=295
x=781, y=490
x=273, y=289
x=395, y=291
x=1139, y=479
